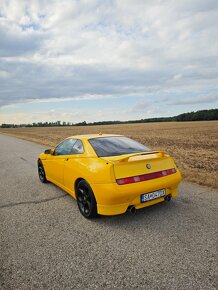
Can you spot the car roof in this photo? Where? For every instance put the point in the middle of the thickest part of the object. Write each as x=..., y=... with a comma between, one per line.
x=91, y=136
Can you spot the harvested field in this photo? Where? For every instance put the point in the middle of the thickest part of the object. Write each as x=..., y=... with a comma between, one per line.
x=194, y=145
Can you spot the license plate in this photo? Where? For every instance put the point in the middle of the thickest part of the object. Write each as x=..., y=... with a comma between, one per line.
x=153, y=195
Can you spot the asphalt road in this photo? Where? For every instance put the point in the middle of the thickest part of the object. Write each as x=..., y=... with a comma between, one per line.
x=46, y=244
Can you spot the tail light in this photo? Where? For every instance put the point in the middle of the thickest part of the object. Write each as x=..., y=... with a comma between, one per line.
x=145, y=177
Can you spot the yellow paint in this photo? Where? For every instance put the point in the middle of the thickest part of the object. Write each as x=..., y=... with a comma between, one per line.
x=101, y=174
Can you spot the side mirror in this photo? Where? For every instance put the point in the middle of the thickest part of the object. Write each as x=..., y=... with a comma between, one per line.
x=49, y=151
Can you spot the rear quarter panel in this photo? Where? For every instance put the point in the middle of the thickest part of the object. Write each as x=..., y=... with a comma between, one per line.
x=93, y=170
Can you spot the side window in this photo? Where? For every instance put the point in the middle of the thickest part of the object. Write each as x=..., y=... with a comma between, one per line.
x=69, y=146
x=65, y=148
x=78, y=147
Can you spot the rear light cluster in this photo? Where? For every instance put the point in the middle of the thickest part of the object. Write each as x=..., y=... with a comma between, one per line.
x=145, y=177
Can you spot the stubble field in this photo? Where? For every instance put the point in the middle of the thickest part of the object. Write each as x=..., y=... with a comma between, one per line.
x=194, y=145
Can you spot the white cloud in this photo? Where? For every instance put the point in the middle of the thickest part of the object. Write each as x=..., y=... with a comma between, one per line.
x=65, y=99
x=62, y=50
x=177, y=76
x=73, y=115
x=4, y=74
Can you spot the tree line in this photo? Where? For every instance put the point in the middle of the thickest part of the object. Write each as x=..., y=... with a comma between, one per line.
x=202, y=115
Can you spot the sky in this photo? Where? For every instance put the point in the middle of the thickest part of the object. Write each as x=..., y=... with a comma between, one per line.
x=94, y=60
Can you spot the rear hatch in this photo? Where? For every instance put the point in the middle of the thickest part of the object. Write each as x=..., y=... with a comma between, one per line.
x=149, y=164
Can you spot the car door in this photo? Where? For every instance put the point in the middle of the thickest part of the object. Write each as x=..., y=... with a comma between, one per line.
x=54, y=164
x=74, y=165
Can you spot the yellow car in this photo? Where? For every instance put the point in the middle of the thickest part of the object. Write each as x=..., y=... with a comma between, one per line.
x=109, y=174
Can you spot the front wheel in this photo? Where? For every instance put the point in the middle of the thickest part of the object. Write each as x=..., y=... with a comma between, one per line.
x=86, y=200
x=41, y=172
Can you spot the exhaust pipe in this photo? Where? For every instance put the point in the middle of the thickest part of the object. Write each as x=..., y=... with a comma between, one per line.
x=168, y=197
x=132, y=209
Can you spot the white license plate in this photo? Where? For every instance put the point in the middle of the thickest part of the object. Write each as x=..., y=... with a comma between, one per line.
x=153, y=195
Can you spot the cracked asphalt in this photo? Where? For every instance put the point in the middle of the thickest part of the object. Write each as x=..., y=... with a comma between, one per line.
x=46, y=244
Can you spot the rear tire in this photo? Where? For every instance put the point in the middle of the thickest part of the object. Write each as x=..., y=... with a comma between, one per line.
x=41, y=172
x=86, y=200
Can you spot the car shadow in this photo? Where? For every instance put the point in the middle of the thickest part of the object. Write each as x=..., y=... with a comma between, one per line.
x=152, y=214
x=161, y=214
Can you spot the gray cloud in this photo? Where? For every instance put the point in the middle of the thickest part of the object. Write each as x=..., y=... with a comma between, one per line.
x=108, y=48
x=15, y=42
x=207, y=99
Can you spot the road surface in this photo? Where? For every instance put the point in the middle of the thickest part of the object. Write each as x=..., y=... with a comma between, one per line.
x=46, y=244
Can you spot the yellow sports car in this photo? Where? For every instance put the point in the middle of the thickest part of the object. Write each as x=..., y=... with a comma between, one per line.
x=109, y=174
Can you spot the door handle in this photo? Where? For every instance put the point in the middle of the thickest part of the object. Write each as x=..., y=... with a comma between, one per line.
x=66, y=159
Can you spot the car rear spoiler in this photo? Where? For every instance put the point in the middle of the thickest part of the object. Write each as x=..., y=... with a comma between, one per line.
x=124, y=159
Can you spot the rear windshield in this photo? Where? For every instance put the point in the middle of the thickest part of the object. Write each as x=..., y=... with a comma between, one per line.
x=114, y=146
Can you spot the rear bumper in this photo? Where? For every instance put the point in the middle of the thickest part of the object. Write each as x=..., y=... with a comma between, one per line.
x=115, y=199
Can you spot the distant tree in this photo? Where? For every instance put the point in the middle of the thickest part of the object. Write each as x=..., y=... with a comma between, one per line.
x=202, y=115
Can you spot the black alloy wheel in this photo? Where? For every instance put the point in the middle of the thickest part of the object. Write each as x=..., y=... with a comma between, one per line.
x=41, y=172
x=86, y=200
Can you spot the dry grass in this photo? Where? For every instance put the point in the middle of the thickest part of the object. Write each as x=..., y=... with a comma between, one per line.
x=194, y=145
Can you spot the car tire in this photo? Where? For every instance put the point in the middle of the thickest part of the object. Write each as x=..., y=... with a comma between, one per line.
x=86, y=200
x=41, y=172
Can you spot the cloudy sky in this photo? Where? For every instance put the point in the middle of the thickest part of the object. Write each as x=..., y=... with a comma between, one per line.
x=76, y=60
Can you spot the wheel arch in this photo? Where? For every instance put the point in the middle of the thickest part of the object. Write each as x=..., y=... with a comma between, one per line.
x=76, y=183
